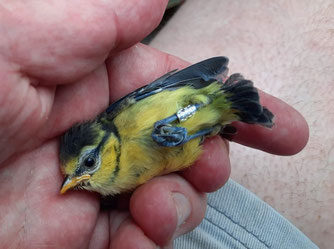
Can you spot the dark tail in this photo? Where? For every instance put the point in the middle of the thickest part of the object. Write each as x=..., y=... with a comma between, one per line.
x=246, y=101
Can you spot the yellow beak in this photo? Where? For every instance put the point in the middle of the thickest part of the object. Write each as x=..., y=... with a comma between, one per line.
x=72, y=182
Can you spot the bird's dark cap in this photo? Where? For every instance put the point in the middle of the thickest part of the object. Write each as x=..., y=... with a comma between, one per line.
x=77, y=137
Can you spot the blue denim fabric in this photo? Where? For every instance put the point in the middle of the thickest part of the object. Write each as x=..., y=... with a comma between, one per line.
x=236, y=218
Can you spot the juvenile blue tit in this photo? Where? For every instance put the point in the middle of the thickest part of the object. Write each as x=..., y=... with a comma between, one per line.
x=158, y=128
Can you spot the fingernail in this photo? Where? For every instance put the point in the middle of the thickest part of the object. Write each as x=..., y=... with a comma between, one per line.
x=183, y=207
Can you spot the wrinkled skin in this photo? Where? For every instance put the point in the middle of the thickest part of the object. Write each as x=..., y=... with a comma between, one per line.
x=62, y=62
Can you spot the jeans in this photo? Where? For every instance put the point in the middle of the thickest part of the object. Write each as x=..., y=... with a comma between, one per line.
x=236, y=218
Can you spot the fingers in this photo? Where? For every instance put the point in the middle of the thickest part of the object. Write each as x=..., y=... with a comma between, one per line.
x=77, y=102
x=288, y=136
x=127, y=234
x=167, y=207
x=74, y=38
x=212, y=169
x=136, y=19
x=100, y=236
x=72, y=104
x=140, y=65
x=161, y=210
x=73, y=41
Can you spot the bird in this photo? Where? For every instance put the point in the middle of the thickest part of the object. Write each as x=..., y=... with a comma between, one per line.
x=159, y=128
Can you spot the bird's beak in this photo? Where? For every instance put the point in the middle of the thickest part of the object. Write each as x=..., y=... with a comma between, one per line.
x=71, y=182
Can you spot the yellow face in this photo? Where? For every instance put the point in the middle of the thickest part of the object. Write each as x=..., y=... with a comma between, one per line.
x=79, y=171
x=89, y=155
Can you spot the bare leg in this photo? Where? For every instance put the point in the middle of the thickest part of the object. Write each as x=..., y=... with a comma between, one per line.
x=287, y=49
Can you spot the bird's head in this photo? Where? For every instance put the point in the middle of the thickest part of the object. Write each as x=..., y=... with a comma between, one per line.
x=89, y=156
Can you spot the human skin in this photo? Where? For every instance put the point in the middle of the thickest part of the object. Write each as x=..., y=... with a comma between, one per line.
x=287, y=49
x=63, y=62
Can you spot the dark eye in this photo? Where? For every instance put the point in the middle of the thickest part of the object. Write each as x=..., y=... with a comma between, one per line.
x=89, y=162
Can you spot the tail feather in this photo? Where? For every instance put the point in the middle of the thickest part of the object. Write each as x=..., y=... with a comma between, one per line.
x=246, y=101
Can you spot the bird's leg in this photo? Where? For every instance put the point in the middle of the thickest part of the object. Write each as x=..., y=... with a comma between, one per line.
x=167, y=135
x=170, y=136
x=209, y=132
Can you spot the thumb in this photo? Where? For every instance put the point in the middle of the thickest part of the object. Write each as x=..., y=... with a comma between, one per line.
x=167, y=207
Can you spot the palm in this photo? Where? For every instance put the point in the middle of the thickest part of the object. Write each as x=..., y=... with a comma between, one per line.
x=42, y=217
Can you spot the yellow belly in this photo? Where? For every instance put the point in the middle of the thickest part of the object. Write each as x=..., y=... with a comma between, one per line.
x=142, y=158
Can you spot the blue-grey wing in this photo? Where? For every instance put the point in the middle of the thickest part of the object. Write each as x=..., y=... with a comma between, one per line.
x=197, y=76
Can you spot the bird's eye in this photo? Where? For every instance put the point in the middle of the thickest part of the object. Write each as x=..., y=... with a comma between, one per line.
x=89, y=162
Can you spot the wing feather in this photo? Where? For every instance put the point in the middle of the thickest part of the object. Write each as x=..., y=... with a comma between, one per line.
x=198, y=75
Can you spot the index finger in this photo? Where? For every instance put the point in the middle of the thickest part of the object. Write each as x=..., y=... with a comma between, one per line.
x=288, y=136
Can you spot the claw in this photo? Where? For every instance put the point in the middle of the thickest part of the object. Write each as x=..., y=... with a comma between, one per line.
x=165, y=134
x=169, y=136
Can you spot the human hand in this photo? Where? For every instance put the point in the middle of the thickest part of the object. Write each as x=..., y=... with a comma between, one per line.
x=54, y=73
